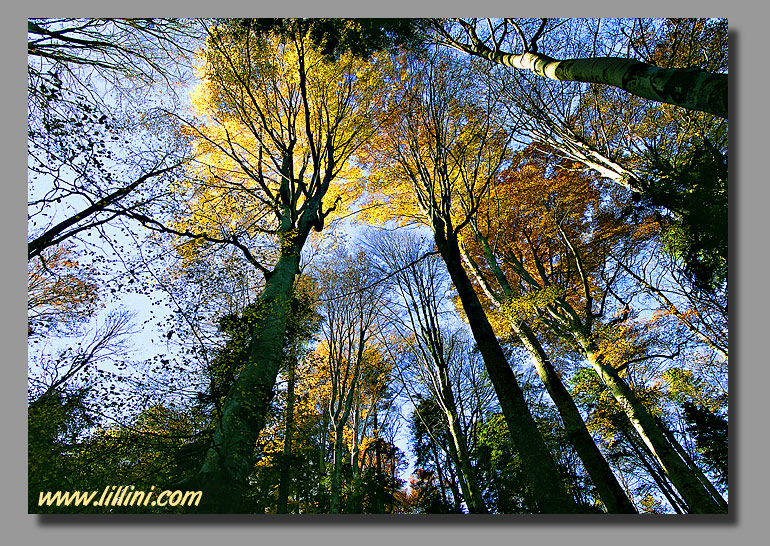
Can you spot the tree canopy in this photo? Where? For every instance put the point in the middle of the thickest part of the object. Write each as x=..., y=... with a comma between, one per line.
x=391, y=266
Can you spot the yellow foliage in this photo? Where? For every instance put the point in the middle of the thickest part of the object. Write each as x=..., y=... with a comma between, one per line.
x=277, y=126
x=527, y=305
x=684, y=386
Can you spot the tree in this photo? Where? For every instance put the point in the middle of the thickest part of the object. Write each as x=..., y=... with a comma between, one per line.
x=690, y=88
x=149, y=450
x=303, y=324
x=420, y=282
x=570, y=289
x=568, y=229
x=710, y=430
x=75, y=132
x=695, y=191
x=623, y=446
x=703, y=313
x=429, y=442
x=281, y=126
x=446, y=145
x=612, y=494
x=54, y=422
x=142, y=50
x=375, y=460
x=290, y=473
x=489, y=226
x=705, y=416
x=425, y=495
x=640, y=147
x=58, y=291
x=335, y=37
x=382, y=462
x=105, y=209
x=350, y=302
x=507, y=488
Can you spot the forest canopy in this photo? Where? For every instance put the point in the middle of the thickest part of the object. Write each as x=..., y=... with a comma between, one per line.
x=380, y=266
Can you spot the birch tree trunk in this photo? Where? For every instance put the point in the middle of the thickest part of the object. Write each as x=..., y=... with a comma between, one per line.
x=691, y=88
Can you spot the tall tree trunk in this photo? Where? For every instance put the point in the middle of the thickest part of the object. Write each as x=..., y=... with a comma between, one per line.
x=690, y=487
x=340, y=417
x=452, y=480
x=610, y=491
x=355, y=463
x=691, y=463
x=467, y=478
x=379, y=505
x=229, y=461
x=549, y=492
x=336, y=481
x=612, y=494
x=691, y=88
x=288, y=434
x=458, y=445
x=322, y=445
x=657, y=474
x=443, y=481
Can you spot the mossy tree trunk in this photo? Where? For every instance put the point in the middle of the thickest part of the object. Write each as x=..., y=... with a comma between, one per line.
x=610, y=491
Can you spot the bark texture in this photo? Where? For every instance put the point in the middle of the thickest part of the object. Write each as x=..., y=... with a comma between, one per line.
x=691, y=88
